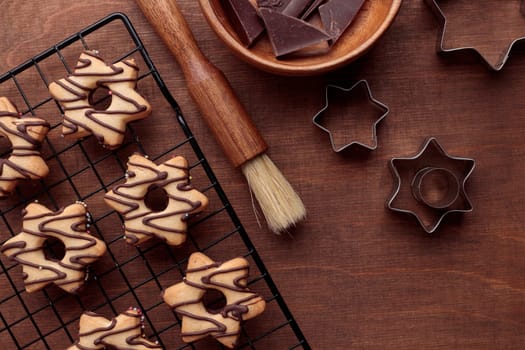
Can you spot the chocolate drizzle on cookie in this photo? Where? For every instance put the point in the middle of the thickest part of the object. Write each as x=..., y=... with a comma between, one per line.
x=69, y=226
x=81, y=118
x=25, y=135
x=142, y=223
x=236, y=309
x=229, y=278
x=121, y=333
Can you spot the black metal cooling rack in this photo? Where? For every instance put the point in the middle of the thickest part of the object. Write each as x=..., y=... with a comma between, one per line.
x=82, y=170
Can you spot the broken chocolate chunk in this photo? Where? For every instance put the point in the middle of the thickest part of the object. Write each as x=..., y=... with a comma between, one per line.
x=337, y=15
x=276, y=5
x=244, y=20
x=296, y=7
x=313, y=6
x=292, y=8
x=289, y=34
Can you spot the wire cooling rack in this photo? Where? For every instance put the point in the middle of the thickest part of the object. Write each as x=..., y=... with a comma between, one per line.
x=82, y=170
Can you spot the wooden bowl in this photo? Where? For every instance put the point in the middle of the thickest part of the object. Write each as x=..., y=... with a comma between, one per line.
x=371, y=22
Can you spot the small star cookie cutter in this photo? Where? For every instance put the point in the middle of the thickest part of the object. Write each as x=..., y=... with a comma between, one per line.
x=430, y=185
x=440, y=46
x=378, y=105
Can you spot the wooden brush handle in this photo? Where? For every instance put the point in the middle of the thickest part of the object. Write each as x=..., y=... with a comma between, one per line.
x=222, y=110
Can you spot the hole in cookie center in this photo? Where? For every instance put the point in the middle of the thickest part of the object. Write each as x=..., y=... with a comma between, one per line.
x=54, y=249
x=214, y=301
x=156, y=198
x=100, y=98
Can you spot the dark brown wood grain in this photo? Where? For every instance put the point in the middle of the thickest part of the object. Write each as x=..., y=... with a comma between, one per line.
x=354, y=274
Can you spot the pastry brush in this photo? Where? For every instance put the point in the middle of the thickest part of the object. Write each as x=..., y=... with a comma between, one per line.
x=227, y=118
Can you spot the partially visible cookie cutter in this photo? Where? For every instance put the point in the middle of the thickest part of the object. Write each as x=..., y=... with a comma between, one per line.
x=374, y=102
x=430, y=185
x=436, y=9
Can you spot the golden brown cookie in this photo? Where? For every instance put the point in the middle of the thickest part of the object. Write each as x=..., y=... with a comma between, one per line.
x=67, y=225
x=25, y=135
x=123, y=332
x=141, y=222
x=74, y=93
x=229, y=278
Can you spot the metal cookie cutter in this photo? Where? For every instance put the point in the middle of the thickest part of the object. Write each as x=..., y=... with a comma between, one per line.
x=497, y=66
x=430, y=185
x=325, y=112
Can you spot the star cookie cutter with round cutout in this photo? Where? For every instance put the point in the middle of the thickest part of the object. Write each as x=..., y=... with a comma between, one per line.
x=430, y=185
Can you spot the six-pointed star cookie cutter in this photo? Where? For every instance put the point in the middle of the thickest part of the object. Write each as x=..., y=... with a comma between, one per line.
x=374, y=102
x=430, y=185
x=436, y=9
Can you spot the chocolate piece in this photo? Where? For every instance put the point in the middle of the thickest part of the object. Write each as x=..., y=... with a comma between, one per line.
x=292, y=8
x=296, y=7
x=337, y=15
x=276, y=5
x=289, y=34
x=313, y=6
x=244, y=20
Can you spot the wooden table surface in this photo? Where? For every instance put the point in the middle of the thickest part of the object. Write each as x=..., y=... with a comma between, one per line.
x=354, y=274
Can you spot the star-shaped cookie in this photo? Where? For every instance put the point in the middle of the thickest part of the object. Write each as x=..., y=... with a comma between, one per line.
x=229, y=278
x=141, y=222
x=121, y=332
x=25, y=135
x=75, y=94
x=407, y=173
x=67, y=225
